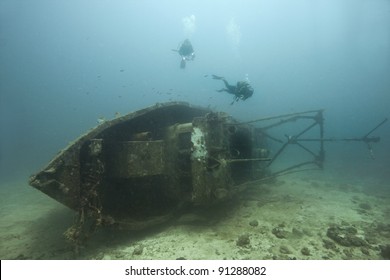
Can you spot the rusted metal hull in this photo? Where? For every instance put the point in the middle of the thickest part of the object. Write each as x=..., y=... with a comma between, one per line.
x=140, y=169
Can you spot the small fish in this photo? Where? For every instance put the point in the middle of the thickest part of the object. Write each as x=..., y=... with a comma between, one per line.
x=215, y=77
x=117, y=114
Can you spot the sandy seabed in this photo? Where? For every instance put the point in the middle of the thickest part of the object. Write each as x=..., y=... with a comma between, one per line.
x=294, y=217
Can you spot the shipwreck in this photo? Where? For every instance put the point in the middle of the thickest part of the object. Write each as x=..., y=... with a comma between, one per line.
x=138, y=170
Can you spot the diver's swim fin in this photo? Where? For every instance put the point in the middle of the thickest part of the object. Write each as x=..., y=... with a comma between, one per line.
x=183, y=63
x=215, y=77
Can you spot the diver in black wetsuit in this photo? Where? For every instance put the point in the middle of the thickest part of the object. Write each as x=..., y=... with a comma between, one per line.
x=242, y=90
x=186, y=51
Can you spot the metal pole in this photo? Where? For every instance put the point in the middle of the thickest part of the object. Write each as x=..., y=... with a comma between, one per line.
x=281, y=116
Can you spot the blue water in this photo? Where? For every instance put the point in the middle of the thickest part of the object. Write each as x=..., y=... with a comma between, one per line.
x=64, y=64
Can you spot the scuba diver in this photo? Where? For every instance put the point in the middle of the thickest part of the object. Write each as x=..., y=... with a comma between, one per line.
x=242, y=90
x=186, y=51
